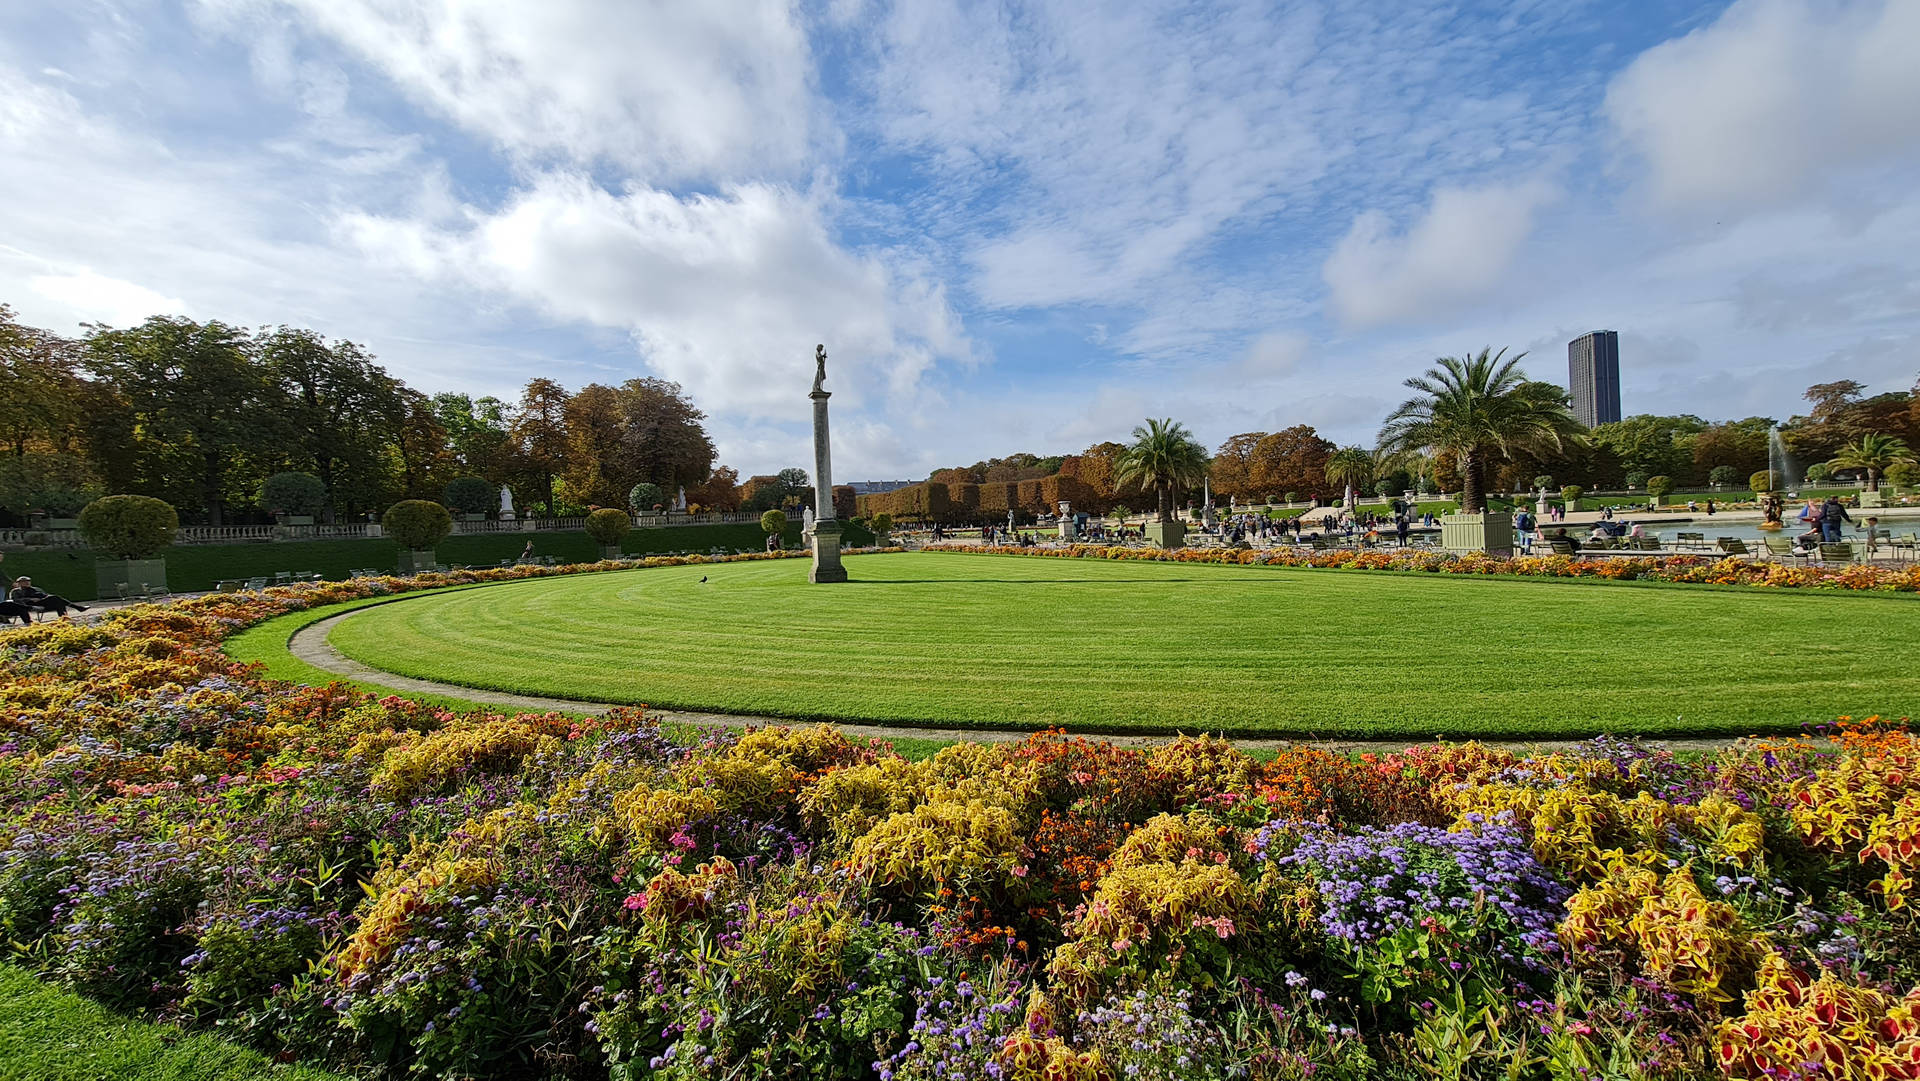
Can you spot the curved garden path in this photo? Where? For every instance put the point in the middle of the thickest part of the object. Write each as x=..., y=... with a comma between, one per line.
x=310, y=644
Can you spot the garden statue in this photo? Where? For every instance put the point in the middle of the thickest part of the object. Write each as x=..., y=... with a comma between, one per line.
x=506, y=504
x=1541, y=507
x=825, y=531
x=806, y=522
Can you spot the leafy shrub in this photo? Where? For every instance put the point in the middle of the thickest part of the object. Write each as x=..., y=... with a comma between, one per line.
x=417, y=523
x=882, y=524
x=1904, y=474
x=1659, y=486
x=129, y=526
x=1637, y=478
x=1761, y=481
x=63, y=502
x=1291, y=497
x=1543, y=481
x=774, y=522
x=293, y=493
x=608, y=525
x=645, y=496
x=1571, y=493
x=470, y=495
x=1819, y=473
x=1722, y=476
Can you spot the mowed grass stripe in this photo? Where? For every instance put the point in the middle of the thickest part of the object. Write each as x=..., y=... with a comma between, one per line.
x=970, y=640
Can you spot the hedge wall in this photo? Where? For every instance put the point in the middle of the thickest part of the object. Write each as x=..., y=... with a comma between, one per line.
x=937, y=502
x=200, y=566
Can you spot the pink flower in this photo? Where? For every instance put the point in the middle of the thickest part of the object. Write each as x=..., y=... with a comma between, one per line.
x=635, y=901
x=1020, y=871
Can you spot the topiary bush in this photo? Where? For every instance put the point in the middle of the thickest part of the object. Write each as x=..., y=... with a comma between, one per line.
x=1543, y=481
x=1722, y=476
x=470, y=495
x=129, y=526
x=1659, y=487
x=293, y=493
x=608, y=524
x=1571, y=494
x=773, y=522
x=645, y=496
x=418, y=524
x=1761, y=481
x=882, y=524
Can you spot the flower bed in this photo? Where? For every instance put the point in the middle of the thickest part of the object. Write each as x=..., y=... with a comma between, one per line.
x=1702, y=570
x=383, y=886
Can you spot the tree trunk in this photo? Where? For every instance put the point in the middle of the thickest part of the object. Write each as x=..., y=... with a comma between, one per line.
x=1472, y=486
x=1873, y=480
x=1164, y=491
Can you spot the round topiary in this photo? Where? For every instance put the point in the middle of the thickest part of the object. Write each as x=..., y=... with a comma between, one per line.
x=882, y=524
x=607, y=525
x=644, y=497
x=1659, y=487
x=129, y=526
x=1761, y=481
x=293, y=493
x=1571, y=494
x=1721, y=476
x=470, y=495
x=774, y=522
x=418, y=524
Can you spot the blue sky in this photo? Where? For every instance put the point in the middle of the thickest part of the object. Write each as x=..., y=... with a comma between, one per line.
x=1015, y=226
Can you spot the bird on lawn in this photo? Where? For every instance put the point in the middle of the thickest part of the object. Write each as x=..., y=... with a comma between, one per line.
x=703, y=579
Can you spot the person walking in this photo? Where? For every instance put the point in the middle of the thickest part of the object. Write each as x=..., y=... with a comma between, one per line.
x=1831, y=515
x=1401, y=523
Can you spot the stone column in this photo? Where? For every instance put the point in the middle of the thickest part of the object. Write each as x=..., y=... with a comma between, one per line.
x=826, y=528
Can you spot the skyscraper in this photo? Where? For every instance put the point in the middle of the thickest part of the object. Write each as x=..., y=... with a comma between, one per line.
x=1593, y=374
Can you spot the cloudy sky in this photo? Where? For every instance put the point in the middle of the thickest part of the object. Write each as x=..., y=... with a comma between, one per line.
x=1015, y=226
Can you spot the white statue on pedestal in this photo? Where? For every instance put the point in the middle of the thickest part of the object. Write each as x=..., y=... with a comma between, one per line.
x=1540, y=506
x=806, y=521
x=506, y=504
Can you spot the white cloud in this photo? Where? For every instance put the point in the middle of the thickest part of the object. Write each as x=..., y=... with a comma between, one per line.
x=97, y=298
x=1774, y=99
x=1457, y=252
x=726, y=294
x=661, y=88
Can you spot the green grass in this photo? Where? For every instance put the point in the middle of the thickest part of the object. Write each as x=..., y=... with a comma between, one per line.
x=50, y=1035
x=1118, y=647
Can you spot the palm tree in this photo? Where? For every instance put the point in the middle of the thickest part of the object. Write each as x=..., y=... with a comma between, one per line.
x=1163, y=456
x=1350, y=466
x=1480, y=409
x=1873, y=452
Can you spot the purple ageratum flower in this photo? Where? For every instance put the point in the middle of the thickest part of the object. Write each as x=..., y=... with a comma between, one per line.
x=1378, y=881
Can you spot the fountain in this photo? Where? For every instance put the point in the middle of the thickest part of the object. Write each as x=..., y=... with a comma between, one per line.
x=1779, y=471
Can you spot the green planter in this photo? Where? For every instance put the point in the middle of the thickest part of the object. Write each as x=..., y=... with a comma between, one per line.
x=412, y=562
x=1166, y=534
x=110, y=574
x=1491, y=534
x=609, y=551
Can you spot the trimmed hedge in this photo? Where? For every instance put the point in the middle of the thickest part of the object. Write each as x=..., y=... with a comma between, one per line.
x=607, y=525
x=201, y=566
x=417, y=523
x=129, y=526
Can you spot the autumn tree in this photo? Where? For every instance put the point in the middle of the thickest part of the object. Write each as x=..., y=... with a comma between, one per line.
x=328, y=402
x=1291, y=460
x=539, y=432
x=1232, y=466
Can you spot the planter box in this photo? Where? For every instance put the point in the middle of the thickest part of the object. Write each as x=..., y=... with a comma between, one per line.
x=1491, y=534
x=110, y=574
x=1867, y=499
x=609, y=551
x=412, y=562
x=1166, y=534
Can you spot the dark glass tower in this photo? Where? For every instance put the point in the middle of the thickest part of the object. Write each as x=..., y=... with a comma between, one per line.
x=1593, y=375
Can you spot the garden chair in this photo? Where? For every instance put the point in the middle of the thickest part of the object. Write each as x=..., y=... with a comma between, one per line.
x=1648, y=543
x=123, y=591
x=256, y=583
x=1561, y=546
x=1733, y=546
x=1838, y=552
x=150, y=591
x=1783, y=548
x=1908, y=545
x=1690, y=540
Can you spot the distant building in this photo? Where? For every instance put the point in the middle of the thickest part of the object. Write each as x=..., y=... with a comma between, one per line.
x=875, y=487
x=1593, y=375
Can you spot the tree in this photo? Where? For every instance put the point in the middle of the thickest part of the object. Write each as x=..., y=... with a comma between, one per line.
x=59, y=484
x=661, y=439
x=793, y=479
x=773, y=522
x=1873, y=453
x=1648, y=444
x=1350, y=467
x=1721, y=476
x=1904, y=474
x=1164, y=457
x=720, y=492
x=477, y=435
x=195, y=403
x=539, y=432
x=645, y=496
x=593, y=440
x=328, y=401
x=469, y=495
x=419, y=443
x=1481, y=408
x=293, y=493
x=1232, y=468
x=1659, y=487
x=1291, y=460
x=42, y=397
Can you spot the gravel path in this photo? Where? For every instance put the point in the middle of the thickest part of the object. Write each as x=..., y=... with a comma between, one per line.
x=310, y=644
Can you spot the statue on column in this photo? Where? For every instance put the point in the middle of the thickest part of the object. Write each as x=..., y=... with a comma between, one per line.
x=820, y=373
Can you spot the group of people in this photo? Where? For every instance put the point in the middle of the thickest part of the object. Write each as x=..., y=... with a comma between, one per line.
x=24, y=599
x=1825, y=523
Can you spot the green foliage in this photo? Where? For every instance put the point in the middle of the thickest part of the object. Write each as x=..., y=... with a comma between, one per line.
x=1163, y=457
x=1290, y=497
x=129, y=526
x=1723, y=476
x=1659, y=487
x=48, y=482
x=882, y=524
x=608, y=525
x=1637, y=478
x=1543, y=481
x=773, y=521
x=64, y=502
x=645, y=496
x=1904, y=474
x=293, y=493
x=1479, y=409
x=1873, y=453
x=417, y=524
x=1571, y=494
x=470, y=495
x=1761, y=481
x=1819, y=473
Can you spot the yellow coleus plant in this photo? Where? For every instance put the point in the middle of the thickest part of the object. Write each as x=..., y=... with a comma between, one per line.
x=1846, y=1031
x=1682, y=938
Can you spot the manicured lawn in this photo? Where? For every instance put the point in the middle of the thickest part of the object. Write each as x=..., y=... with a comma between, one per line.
x=1156, y=647
x=49, y=1035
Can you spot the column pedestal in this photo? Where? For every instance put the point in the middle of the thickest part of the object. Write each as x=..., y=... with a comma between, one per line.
x=826, y=552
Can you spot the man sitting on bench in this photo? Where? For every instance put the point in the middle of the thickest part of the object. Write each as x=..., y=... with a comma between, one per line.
x=40, y=600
